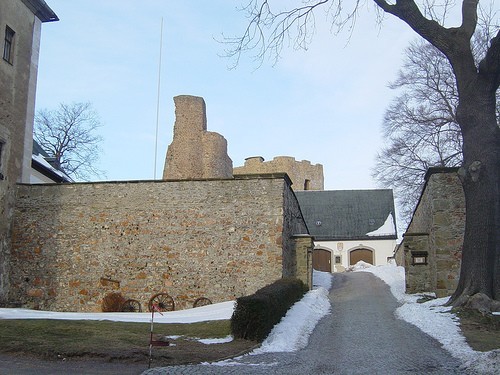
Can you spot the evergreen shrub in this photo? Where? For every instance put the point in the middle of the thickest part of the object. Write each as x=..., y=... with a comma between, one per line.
x=255, y=316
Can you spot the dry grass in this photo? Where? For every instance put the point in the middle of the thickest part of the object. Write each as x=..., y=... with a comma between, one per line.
x=113, y=340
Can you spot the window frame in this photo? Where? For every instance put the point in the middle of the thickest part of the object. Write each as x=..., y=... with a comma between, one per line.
x=8, y=46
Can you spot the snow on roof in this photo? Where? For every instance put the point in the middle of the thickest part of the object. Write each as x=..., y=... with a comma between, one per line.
x=387, y=229
x=46, y=165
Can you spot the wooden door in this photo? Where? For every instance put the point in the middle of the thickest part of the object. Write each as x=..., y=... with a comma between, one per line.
x=322, y=260
x=360, y=254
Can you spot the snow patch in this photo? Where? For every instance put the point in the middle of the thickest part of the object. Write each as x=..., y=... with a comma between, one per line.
x=221, y=340
x=387, y=229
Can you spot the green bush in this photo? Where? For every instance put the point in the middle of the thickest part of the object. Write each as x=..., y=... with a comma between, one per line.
x=255, y=316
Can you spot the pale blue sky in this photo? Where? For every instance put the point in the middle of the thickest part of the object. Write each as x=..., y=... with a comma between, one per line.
x=324, y=105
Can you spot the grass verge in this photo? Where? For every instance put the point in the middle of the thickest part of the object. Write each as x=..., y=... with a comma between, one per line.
x=63, y=338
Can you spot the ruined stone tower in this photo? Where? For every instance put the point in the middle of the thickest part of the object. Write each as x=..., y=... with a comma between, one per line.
x=195, y=153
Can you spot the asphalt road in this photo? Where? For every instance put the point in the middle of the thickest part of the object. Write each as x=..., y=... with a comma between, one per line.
x=360, y=336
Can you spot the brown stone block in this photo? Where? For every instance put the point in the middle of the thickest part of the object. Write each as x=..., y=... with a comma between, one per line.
x=141, y=275
x=84, y=292
x=37, y=293
x=74, y=283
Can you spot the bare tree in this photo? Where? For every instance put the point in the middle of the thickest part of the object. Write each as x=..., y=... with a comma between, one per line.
x=68, y=134
x=476, y=82
x=419, y=126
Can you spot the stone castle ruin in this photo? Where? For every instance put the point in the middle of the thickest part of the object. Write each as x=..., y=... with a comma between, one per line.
x=304, y=175
x=195, y=152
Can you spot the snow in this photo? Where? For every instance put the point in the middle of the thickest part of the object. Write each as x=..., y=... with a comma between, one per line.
x=218, y=311
x=387, y=229
x=293, y=332
x=40, y=159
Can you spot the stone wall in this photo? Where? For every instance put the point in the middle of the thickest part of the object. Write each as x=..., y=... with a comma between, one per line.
x=194, y=152
x=432, y=243
x=221, y=239
x=303, y=174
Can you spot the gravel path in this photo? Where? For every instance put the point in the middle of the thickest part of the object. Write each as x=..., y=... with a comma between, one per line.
x=360, y=336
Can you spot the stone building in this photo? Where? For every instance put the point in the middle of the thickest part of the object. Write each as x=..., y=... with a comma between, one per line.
x=432, y=244
x=20, y=25
x=304, y=175
x=194, y=151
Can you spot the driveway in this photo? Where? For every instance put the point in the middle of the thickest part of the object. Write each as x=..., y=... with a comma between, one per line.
x=360, y=336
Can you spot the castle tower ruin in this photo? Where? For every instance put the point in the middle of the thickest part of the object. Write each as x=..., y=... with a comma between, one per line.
x=195, y=153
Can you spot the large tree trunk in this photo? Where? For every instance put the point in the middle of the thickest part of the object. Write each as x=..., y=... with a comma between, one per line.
x=480, y=175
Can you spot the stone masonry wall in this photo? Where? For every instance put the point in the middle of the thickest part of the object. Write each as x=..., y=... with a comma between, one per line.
x=194, y=152
x=73, y=244
x=303, y=174
x=437, y=228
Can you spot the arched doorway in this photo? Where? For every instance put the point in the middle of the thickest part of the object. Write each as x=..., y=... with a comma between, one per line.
x=322, y=260
x=366, y=255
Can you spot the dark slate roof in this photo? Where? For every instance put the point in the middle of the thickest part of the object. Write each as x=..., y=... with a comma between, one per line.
x=41, y=10
x=38, y=150
x=346, y=214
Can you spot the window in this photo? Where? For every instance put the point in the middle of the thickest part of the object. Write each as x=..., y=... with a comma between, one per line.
x=8, y=47
x=338, y=259
x=2, y=144
x=307, y=185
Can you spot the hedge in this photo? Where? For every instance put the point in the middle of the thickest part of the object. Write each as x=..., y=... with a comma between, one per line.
x=255, y=316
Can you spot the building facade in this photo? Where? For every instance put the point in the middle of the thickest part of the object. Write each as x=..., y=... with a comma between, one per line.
x=349, y=226
x=431, y=249
x=20, y=28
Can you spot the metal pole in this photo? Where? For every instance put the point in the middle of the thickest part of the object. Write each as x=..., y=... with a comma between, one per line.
x=158, y=98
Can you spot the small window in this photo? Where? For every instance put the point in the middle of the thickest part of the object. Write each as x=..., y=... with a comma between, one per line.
x=307, y=185
x=2, y=144
x=338, y=259
x=8, y=47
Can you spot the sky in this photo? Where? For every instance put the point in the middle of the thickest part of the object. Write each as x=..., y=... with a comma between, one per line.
x=324, y=105
x=292, y=332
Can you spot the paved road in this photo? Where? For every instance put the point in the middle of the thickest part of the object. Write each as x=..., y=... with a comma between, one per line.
x=360, y=336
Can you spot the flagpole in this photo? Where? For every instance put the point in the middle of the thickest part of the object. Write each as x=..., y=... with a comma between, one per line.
x=158, y=99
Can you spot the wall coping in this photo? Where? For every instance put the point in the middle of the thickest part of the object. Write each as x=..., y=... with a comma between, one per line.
x=262, y=176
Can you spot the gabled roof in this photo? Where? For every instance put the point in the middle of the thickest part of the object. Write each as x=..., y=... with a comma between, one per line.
x=349, y=214
x=41, y=10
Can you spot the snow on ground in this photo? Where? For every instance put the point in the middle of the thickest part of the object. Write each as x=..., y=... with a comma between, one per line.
x=292, y=333
x=217, y=311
